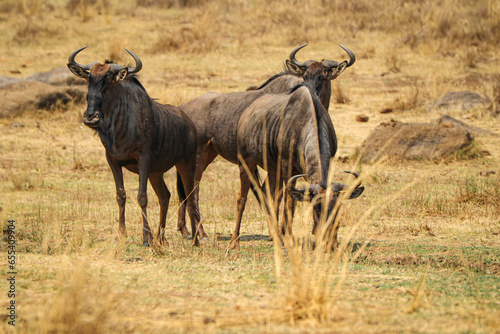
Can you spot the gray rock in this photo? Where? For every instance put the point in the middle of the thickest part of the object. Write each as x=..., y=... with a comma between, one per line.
x=414, y=141
x=57, y=76
x=449, y=122
x=23, y=94
x=463, y=100
x=5, y=81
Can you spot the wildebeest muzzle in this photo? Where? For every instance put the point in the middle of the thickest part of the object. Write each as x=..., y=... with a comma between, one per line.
x=91, y=119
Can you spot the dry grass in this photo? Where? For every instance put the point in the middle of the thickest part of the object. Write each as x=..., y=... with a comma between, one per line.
x=420, y=248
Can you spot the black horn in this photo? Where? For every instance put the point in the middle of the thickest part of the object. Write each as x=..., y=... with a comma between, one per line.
x=292, y=56
x=356, y=175
x=292, y=181
x=71, y=60
x=333, y=64
x=138, y=63
x=352, y=57
x=359, y=189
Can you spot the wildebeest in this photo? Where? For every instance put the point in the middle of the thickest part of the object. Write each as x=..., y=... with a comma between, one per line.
x=289, y=134
x=140, y=134
x=216, y=115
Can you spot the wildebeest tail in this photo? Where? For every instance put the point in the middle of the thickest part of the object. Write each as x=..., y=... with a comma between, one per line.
x=257, y=179
x=180, y=189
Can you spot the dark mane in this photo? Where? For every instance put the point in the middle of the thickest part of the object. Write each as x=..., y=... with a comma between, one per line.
x=298, y=86
x=284, y=71
x=133, y=79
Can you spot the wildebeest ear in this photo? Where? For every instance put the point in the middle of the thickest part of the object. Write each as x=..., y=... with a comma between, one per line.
x=358, y=191
x=342, y=66
x=121, y=75
x=297, y=194
x=78, y=71
x=294, y=68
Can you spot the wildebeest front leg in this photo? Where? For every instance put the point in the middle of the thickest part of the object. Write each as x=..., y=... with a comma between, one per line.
x=242, y=200
x=163, y=194
x=121, y=196
x=142, y=198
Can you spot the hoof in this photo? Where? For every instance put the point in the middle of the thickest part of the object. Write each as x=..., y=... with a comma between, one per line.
x=234, y=244
x=147, y=240
x=188, y=237
x=205, y=239
x=163, y=241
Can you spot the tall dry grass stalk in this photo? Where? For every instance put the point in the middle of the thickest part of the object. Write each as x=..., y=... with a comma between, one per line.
x=420, y=293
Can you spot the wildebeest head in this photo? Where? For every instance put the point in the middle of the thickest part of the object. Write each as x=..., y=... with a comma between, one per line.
x=100, y=78
x=315, y=193
x=334, y=68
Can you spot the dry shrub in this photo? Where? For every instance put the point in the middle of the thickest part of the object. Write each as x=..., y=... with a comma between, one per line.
x=495, y=95
x=83, y=303
x=170, y=3
x=86, y=9
x=412, y=99
x=481, y=191
x=32, y=30
x=27, y=8
x=393, y=62
x=10, y=6
x=339, y=93
x=116, y=49
x=197, y=37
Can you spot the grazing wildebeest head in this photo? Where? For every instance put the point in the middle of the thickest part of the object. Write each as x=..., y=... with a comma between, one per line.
x=216, y=116
x=289, y=134
x=140, y=134
x=315, y=193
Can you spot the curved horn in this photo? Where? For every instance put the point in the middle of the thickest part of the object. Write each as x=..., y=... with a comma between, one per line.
x=356, y=175
x=292, y=56
x=138, y=63
x=292, y=181
x=71, y=60
x=352, y=57
x=359, y=189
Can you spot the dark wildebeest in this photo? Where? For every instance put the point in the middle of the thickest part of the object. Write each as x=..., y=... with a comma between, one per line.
x=288, y=134
x=140, y=134
x=216, y=115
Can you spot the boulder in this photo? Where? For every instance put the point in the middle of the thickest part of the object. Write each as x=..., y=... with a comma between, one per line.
x=450, y=122
x=24, y=94
x=58, y=76
x=41, y=91
x=5, y=81
x=414, y=141
x=463, y=100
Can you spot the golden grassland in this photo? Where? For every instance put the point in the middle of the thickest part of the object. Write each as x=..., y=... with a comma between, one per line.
x=421, y=245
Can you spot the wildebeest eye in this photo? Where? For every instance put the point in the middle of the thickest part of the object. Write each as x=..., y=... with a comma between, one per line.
x=109, y=78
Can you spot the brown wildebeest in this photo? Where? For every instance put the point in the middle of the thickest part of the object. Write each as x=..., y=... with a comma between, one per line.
x=289, y=134
x=141, y=135
x=216, y=115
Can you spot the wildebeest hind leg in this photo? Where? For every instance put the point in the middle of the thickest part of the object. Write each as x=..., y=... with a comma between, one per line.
x=204, y=157
x=163, y=194
x=186, y=171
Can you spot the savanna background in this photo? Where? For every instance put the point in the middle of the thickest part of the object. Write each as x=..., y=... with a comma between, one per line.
x=420, y=247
